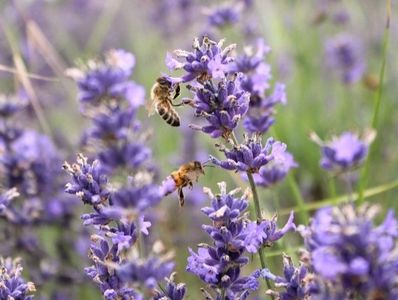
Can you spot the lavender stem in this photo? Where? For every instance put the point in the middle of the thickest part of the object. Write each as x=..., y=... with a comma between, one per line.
x=257, y=210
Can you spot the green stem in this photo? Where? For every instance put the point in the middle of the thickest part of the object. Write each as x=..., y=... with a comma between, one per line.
x=365, y=172
x=257, y=211
x=332, y=187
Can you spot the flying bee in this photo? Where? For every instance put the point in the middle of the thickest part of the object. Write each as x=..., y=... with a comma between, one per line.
x=163, y=93
x=185, y=176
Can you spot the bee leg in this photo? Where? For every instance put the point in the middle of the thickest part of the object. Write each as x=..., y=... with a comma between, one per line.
x=179, y=104
x=177, y=92
x=181, y=195
x=190, y=185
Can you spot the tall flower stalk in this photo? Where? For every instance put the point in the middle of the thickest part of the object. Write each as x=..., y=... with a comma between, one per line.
x=225, y=88
x=120, y=206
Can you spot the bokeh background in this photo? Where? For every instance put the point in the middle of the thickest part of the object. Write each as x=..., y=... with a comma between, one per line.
x=49, y=36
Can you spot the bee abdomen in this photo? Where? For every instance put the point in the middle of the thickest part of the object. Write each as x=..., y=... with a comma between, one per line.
x=168, y=114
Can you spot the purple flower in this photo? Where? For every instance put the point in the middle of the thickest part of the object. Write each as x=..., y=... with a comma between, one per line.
x=298, y=283
x=345, y=56
x=348, y=250
x=12, y=285
x=257, y=72
x=248, y=157
x=172, y=291
x=256, y=81
x=260, y=116
x=219, y=265
x=148, y=271
x=103, y=271
x=88, y=181
x=9, y=105
x=224, y=15
x=222, y=107
x=29, y=163
x=264, y=233
x=208, y=60
x=277, y=169
x=108, y=81
x=344, y=152
x=5, y=200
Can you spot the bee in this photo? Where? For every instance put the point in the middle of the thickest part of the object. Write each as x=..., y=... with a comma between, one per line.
x=163, y=93
x=185, y=176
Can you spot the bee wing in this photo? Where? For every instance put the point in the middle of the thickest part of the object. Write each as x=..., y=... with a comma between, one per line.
x=150, y=107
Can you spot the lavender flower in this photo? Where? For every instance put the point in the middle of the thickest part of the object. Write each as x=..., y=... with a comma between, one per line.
x=172, y=291
x=345, y=56
x=219, y=265
x=10, y=105
x=103, y=272
x=222, y=107
x=29, y=163
x=258, y=73
x=111, y=100
x=224, y=15
x=108, y=81
x=257, y=82
x=352, y=254
x=5, y=200
x=264, y=233
x=113, y=269
x=277, y=169
x=298, y=283
x=12, y=285
x=248, y=157
x=208, y=60
x=344, y=152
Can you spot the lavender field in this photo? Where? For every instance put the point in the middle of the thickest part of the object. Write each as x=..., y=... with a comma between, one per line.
x=198, y=149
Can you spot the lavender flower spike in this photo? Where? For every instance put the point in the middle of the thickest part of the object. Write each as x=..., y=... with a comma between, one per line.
x=277, y=169
x=223, y=106
x=219, y=265
x=298, y=282
x=263, y=233
x=344, y=152
x=353, y=255
x=344, y=53
x=107, y=81
x=12, y=285
x=207, y=60
x=172, y=291
x=247, y=157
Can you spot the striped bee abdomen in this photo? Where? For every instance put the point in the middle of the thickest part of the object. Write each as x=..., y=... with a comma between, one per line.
x=168, y=113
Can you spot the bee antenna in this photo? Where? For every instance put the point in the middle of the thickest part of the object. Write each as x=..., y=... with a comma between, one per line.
x=206, y=164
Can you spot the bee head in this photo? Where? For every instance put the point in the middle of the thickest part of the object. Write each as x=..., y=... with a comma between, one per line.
x=198, y=166
x=164, y=81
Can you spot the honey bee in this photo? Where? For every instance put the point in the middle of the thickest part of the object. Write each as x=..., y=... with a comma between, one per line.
x=163, y=93
x=185, y=176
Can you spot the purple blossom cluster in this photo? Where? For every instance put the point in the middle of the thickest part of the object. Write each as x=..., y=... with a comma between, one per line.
x=297, y=282
x=12, y=284
x=110, y=99
x=219, y=265
x=257, y=82
x=269, y=164
x=120, y=210
x=345, y=56
x=353, y=255
x=346, y=256
x=226, y=88
x=31, y=195
x=344, y=152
